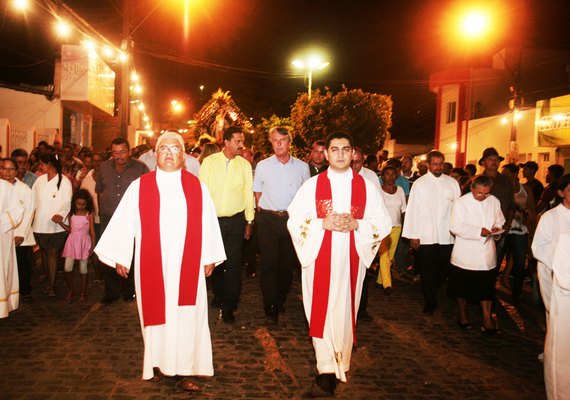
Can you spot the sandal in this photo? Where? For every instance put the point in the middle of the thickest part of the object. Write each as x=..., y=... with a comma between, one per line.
x=83, y=298
x=489, y=332
x=187, y=385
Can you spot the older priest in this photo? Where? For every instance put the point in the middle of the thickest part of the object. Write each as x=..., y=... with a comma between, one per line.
x=171, y=217
x=337, y=209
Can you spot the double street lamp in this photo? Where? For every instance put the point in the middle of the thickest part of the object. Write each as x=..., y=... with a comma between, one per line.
x=311, y=64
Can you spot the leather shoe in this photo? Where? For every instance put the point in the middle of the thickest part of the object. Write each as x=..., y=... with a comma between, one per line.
x=428, y=310
x=129, y=297
x=108, y=300
x=228, y=316
x=364, y=317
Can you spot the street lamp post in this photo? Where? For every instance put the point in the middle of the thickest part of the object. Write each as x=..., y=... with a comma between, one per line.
x=311, y=64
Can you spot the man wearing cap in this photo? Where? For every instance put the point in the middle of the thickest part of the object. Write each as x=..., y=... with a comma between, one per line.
x=503, y=190
x=171, y=218
x=529, y=169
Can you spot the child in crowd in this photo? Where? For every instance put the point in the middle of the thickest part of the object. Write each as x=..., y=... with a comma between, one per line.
x=395, y=202
x=80, y=242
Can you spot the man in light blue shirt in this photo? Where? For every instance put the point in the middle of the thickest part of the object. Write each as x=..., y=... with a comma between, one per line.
x=276, y=182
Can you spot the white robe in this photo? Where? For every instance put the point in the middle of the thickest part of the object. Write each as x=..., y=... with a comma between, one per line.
x=11, y=212
x=182, y=346
x=472, y=251
x=557, y=345
x=429, y=208
x=333, y=351
x=550, y=226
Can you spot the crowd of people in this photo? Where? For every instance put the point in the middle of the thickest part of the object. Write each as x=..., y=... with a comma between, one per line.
x=339, y=217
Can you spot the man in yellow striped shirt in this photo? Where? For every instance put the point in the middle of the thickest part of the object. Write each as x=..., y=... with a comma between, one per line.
x=229, y=179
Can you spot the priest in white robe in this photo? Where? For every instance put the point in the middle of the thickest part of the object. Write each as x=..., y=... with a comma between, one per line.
x=337, y=209
x=550, y=248
x=11, y=212
x=171, y=218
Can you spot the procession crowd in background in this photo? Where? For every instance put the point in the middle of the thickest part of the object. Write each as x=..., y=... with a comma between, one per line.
x=468, y=228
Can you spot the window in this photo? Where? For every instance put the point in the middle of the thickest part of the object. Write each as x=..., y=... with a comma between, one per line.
x=451, y=111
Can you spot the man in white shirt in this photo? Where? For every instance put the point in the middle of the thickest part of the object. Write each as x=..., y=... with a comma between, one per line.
x=427, y=225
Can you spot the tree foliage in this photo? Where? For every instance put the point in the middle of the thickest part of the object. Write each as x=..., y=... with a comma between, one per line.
x=366, y=116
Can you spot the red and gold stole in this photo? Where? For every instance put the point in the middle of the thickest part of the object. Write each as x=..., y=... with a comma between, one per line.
x=152, y=280
x=321, y=284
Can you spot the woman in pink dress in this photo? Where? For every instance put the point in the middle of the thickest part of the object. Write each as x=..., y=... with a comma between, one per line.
x=80, y=242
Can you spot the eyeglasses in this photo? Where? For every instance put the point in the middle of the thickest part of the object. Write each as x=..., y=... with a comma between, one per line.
x=171, y=149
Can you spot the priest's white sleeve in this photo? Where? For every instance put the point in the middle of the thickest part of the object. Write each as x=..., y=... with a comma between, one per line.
x=542, y=242
x=373, y=227
x=117, y=242
x=12, y=215
x=305, y=228
x=212, y=245
x=561, y=263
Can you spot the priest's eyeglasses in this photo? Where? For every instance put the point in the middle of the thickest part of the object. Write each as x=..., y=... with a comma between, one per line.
x=170, y=149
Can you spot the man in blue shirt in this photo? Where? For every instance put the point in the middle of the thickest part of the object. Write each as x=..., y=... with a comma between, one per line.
x=276, y=182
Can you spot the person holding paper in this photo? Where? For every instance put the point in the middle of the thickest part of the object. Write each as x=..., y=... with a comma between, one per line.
x=476, y=222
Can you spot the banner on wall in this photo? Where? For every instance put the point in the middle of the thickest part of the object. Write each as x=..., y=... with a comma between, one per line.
x=553, y=122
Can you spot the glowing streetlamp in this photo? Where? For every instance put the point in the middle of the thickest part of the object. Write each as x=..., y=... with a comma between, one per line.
x=21, y=5
x=176, y=106
x=311, y=64
x=62, y=29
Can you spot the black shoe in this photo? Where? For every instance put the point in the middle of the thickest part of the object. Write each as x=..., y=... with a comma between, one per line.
x=428, y=310
x=228, y=316
x=216, y=303
x=387, y=291
x=465, y=326
x=324, y=386
x=108, y=300
x=129, y=297
x=271, y=315
x=364, y=317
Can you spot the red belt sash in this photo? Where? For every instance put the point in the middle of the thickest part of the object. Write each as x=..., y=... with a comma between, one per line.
x=152, y=280
x=321, y=283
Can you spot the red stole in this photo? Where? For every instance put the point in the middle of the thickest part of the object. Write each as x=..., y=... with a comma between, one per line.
x=321, y=283
x=152, y=281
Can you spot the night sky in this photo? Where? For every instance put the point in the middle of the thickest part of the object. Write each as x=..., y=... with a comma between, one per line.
x=246, y=47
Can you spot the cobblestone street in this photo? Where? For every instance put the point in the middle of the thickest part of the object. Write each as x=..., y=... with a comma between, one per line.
x=53, y=350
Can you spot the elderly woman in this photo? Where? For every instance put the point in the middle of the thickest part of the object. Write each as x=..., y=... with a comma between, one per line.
x=475, y=221
x=52, y=195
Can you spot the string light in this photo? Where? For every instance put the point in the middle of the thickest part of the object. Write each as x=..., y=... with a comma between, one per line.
x=62, y=29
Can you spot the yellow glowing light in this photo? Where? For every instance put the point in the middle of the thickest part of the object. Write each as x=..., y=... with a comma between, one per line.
x=453, y=146
x=146, y=118
x=147, y=126
x=141, y=107
x=504, y=120
x=123, y=57
x=475, y=24
x=138, y=89
x=89, y=44
x=135, y=77
x=21, y=5
x=177, y=107
x=62, y=28
x=107, y=51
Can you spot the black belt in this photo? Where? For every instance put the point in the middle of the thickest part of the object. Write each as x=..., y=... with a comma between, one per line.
x=239, y=214
x=278, y=213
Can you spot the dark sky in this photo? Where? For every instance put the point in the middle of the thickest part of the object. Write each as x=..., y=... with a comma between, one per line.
x=246, y=47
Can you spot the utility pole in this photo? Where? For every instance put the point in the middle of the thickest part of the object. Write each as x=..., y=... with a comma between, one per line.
x=126, y=47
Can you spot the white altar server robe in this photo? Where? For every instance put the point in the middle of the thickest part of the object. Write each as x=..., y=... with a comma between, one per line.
x=429, y=208
x=557, y=345
x=472, y=251
x=11, y=212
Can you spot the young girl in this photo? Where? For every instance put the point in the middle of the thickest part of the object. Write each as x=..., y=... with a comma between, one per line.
x=80, y=242
x=395, y=202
